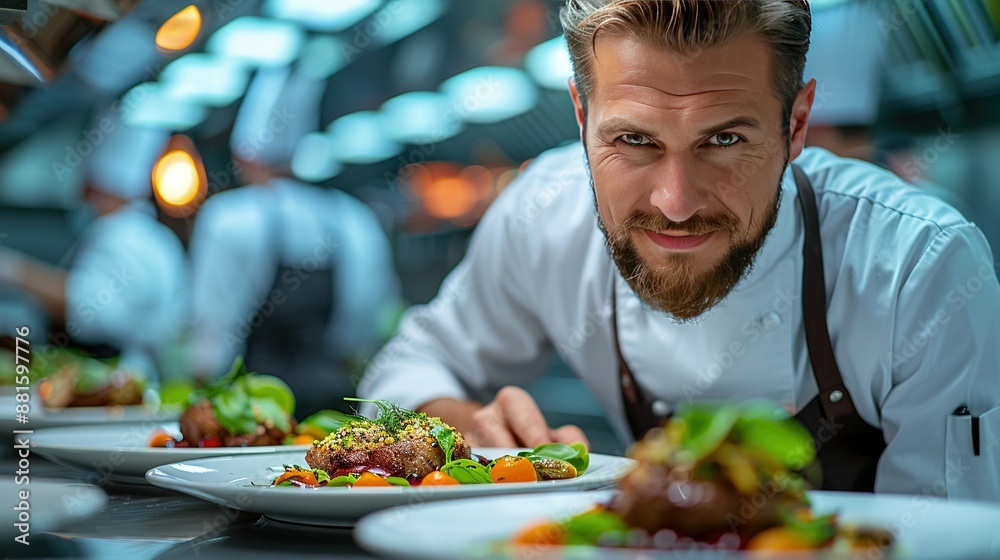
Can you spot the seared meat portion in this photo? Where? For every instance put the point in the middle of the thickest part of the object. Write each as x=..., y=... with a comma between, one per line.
x=198, y=424
x=61, y=389
x=406, y=448
x=654, y=497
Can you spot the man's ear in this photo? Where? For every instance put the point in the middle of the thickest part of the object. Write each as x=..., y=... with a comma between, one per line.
x=577, y=104
x=798, y=123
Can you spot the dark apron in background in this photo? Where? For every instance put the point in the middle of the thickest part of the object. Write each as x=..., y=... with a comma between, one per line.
x=289, y=339
x=847, y=448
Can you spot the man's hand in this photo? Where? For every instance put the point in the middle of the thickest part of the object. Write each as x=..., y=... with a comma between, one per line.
x=512, y=419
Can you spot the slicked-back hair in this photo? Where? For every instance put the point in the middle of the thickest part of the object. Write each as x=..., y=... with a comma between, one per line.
x=687, y=26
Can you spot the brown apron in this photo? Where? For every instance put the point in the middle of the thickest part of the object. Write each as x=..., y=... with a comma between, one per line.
x=848, y=448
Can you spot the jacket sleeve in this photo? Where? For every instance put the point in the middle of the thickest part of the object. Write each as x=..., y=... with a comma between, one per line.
x=480, y=332
x=946, y=356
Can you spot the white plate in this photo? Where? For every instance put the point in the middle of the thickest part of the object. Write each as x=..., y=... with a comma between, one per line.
x=40, y=416
x=122, y=452
x=51, y=504
x=243, y=483
x=925, y=529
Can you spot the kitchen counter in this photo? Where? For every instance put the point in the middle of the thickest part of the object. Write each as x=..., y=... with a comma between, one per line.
x=141, y=522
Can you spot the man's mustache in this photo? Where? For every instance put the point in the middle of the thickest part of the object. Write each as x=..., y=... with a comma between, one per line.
x=695, y=225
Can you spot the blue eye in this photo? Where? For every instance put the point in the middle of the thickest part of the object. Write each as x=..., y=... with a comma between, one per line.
x=725, y=139
x=635, y=140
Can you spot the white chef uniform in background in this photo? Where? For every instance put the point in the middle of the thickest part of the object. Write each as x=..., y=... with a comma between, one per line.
x=126, y=284
x=254, y=247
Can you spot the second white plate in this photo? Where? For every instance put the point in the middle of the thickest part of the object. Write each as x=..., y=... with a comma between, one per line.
x=122, y=452
x=460, y=530
x=244, y=483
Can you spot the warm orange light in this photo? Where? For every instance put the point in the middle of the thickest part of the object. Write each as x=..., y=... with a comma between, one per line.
x=450, y=197
x=179, y=180
x=176, y=178
x=178, y=32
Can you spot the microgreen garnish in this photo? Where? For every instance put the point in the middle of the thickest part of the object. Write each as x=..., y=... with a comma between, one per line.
x=746, y=444
x=326, y=421
x=391, y=415
x=243, y=400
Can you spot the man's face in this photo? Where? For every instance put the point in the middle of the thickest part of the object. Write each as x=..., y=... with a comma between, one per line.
x=686, y=154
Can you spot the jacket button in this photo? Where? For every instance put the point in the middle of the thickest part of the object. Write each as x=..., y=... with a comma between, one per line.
x=661, y=408
x=836, y=395
x=770, y=320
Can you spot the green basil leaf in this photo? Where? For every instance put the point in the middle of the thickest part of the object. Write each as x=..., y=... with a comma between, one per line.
x=593, y=526
x=814, y=531
x=321, y=476
x=575, y=454
x=706, y=427
x=446, y=439
x=343, y=480
x=397, y=481
x=265, y=410
x=467, y=471
x=783, y=441
x=232, y=410
x=222, y=384
x=582, y=457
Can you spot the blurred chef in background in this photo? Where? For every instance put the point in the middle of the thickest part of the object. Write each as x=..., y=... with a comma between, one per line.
x=125, y=287
x=848, y=78
x=298, y=278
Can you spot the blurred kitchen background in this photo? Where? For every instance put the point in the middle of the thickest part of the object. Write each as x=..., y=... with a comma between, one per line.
x=431, y=107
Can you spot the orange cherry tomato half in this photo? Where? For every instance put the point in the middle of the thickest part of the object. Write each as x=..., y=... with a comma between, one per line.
x=545, y=534
x=304, y=477
x=369, y=479
x=438, y=478
x=161, y=439
x=513, y=469
x=778, y=538
x=303, y=439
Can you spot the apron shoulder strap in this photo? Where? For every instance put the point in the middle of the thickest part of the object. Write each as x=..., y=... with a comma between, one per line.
x=834, y=398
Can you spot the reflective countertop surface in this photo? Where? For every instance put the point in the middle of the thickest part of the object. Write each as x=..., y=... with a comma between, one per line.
x=142, y=521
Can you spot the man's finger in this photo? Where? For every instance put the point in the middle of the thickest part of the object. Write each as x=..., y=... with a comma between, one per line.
x=522, y=416
x=569, y=434
x=490, y=430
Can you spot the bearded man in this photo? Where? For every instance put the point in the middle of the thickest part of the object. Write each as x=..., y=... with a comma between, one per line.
x=714, y=269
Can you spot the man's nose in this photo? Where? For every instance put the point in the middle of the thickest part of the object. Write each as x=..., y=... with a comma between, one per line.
x=675, y=191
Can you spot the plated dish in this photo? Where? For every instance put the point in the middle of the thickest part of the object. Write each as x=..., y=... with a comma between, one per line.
x=41, y=417
x=121, y=451
x=923, y=529
x=244, y=483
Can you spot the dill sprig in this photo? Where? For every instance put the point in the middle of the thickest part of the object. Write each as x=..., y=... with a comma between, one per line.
x=391, y=416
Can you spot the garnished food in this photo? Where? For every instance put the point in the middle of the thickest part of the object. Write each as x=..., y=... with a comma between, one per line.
x=71, y=379
x=399, y=442
x=406, y=448
x=239, y=409
x=723, y=477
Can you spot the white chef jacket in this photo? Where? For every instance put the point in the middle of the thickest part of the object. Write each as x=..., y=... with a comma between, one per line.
x=128, y=285
x=914, y=318
x=242, y=236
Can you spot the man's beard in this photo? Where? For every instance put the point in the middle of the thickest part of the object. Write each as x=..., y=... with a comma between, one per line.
x=675, y=287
